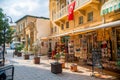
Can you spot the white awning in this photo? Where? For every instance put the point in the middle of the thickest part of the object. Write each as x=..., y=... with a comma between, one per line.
x=107, y=25
x=110, y=6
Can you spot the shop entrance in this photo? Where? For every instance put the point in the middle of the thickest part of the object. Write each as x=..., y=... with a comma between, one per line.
x=90, y=42
x=118, y=42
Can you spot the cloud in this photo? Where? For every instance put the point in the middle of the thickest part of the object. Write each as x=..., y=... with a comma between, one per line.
x=19, y=8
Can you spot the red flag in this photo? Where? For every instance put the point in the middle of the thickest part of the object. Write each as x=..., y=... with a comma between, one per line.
x=70, y=11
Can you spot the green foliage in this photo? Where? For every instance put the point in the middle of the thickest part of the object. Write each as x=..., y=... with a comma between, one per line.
x=4, y=26
x=25, y=50
x=57, y=56
x=19, y=47
x=118, y=63
x=62, y=54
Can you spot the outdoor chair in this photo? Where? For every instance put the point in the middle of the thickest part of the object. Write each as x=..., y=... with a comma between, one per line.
x=7, y=72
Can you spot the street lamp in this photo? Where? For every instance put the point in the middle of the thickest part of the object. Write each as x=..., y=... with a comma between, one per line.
x=4, y=31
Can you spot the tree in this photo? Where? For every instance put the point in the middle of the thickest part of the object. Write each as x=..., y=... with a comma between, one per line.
x=5, y=31
x=4, y=27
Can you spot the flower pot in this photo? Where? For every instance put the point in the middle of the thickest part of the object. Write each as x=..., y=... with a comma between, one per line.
x=26, y=56
x=15, y=53
x=73, y=68
x=56, y=67
x=36, y=60
x=63, y=64
x=19, y=54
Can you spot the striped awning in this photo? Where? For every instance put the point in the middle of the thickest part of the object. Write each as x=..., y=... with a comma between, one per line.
x=110, y=6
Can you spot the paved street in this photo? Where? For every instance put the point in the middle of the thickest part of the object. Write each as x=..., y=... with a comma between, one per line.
x=26, y=70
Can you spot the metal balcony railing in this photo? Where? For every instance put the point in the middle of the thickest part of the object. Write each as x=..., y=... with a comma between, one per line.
x=7, y=72
x=64, y=11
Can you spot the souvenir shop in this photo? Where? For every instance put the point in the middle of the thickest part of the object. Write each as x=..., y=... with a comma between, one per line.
x=80, y=47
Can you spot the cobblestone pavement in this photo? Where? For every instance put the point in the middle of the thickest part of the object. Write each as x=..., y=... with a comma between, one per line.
x=26, y=70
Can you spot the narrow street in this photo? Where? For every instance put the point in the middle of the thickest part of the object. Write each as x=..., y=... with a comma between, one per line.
x=69, y=39
x=26, y=70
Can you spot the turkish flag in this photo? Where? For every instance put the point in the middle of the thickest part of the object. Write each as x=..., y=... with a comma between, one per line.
x=70, y=11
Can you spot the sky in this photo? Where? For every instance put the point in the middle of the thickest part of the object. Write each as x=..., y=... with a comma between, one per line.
x=16, y=9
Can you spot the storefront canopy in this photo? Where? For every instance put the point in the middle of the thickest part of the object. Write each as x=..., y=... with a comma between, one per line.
x=107, y=25
x=110, y=6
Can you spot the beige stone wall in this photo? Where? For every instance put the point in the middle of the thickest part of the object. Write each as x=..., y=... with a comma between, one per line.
x=43, y=31
x=32, y=28
x=44, y=47
x=43, y=28
x=94, y=6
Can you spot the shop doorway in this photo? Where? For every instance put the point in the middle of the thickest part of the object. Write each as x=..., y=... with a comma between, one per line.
x=89, y=48
x=118, y=43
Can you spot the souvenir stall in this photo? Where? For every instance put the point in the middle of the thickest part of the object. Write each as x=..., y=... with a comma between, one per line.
x=77, y=48
x=71, y=53
x=106, y=45
x=71, y=50
x=64, y=46
x=113, y=46
x=91, y=40
x=118, y=50
x=84, y=47
x=104, y=39
x=64, y=43
x=54, y=46
x=118, y=42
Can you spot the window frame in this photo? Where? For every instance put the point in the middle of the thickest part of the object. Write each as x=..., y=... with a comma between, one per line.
x=81, y=20
x=90, y=16
x=67, y=24
x=62, y=26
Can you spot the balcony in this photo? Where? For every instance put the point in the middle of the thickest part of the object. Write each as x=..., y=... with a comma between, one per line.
x=79, y=4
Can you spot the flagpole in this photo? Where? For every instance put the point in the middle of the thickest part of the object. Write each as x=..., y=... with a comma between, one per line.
x=71, y=14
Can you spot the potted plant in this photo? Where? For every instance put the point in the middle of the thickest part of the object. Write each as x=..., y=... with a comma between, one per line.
x=62, y=56
x=36, y=48
x=26, y=54
x=56, y=67
x=57, y=57
x=18, y=50
x=62, y=59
